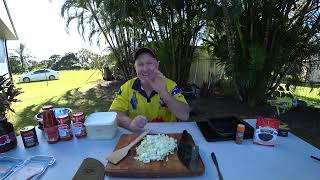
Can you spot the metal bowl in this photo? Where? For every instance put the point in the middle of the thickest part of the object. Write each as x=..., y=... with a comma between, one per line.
x=57, y=112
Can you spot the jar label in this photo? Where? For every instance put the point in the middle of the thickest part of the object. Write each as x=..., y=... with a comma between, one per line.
x=7, y=138
x=52, y=133
x=79, y=129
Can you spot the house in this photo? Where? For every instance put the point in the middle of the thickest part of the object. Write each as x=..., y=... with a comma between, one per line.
x=7, y=32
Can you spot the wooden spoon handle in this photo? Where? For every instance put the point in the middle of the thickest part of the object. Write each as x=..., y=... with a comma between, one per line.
x=134, y=142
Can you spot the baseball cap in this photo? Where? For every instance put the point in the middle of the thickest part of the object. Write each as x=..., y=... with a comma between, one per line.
x=144, y=50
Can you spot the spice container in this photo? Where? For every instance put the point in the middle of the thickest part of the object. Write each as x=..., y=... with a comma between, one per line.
x=8, y=138
x=79, y=128
x=29, y=136
x=50, y=124
x=64, y=127
x=240, y=133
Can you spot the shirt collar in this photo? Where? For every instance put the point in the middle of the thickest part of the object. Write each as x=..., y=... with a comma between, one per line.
x=137, y=86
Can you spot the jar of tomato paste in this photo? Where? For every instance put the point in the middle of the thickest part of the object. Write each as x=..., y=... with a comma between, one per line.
x=64, y=127
x=78, y=125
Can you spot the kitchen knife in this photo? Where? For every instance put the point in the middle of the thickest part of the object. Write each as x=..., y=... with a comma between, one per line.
x=188, y=153
x=215, y=161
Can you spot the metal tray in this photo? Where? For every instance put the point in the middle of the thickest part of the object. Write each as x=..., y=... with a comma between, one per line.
x=223, y=128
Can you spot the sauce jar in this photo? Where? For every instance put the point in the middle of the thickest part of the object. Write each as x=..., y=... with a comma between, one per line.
x=78, y=125
x=64, y=127
x=50, y=124
x=8, y=138
x=29, y=136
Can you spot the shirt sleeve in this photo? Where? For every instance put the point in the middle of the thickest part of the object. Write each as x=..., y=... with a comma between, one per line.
x=121, y=101
x=176, y=92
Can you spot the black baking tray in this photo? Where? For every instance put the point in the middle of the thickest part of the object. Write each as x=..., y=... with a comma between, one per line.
x=224, y=128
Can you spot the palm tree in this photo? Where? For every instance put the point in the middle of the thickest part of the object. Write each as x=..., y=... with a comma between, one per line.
x=23, y=54
x=267, y=43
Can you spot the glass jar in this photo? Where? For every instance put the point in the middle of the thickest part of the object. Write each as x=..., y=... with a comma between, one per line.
x=79, y=129
x=8, y=138
x=50, y=124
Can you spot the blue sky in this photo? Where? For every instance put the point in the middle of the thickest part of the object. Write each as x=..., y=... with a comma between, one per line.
x=41, y=28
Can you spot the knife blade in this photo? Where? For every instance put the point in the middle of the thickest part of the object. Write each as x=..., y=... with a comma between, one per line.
x=215, y=161
x=188, y=153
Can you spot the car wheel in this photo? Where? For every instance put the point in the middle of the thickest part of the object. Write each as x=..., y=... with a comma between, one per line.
x=51, y=77
x=26, y=79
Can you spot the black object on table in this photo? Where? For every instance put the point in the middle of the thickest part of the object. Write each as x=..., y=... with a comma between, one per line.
x=215, y=161
x=313, y=157
x=224, y=128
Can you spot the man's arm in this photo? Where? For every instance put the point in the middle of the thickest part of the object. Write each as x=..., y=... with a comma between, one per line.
x=179, y=109
x=136, y=123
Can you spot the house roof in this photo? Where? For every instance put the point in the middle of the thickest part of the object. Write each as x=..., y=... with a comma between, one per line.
x=5, y=32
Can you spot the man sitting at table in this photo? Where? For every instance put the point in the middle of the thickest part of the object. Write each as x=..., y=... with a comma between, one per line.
x=148, y=97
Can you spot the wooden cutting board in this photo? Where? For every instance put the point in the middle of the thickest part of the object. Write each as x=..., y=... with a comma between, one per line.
x=129, y=167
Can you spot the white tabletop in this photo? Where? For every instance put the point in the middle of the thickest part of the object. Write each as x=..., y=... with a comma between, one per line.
x=289, y=159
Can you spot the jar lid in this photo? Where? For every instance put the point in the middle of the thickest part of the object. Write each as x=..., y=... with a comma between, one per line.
x=47, y=107
x=64, y=116
x=77, y=114
x=27, y=128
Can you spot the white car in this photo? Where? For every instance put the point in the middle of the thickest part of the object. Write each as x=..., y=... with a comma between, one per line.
x=39, y=75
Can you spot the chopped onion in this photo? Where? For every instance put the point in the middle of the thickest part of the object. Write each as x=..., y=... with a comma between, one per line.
x=155, y=148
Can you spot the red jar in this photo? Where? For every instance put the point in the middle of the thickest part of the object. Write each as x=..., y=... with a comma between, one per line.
x=50, y=124
x=64, y=127
x=78, y=125
x=8, y=138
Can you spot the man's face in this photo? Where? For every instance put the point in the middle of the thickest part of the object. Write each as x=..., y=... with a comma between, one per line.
x=145, y=66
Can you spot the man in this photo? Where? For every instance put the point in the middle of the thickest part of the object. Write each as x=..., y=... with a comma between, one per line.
x=148, y=97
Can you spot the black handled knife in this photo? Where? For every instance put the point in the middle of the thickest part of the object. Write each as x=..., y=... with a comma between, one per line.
x=215, y=161
x=188, y=153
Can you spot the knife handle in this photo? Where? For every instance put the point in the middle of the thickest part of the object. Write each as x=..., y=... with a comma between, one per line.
x=213, y=156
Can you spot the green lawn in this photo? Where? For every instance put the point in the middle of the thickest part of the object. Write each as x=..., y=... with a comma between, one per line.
x=65, y=92
x=305, y=93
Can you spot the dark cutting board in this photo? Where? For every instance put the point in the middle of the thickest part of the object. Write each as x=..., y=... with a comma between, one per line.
x=129, y=167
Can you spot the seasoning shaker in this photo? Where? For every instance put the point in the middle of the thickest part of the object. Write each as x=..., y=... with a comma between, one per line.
x=240, y=133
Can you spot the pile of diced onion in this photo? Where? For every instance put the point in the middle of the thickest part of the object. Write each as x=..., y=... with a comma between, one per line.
x=155, y=148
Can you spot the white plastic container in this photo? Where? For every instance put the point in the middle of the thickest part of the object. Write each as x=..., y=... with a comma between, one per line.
x=101, y=125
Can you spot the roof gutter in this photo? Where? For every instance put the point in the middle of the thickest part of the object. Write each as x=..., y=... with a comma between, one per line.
x=7, y=9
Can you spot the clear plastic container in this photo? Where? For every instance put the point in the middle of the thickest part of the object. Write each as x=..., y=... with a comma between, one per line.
x=101, y=125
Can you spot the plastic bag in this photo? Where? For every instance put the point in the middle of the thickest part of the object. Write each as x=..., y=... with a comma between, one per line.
x=7, y=166
x=32, y=168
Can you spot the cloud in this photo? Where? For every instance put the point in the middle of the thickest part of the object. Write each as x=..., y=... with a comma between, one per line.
x=41, y=28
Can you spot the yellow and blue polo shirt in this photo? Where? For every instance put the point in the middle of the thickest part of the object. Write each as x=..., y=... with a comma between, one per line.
x=134, y=101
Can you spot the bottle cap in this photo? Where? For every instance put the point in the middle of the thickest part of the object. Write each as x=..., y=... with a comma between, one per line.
x=47, y=107
x=240, y=128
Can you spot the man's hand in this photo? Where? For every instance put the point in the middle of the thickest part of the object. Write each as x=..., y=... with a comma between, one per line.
x=138, y=123
x=158, y=83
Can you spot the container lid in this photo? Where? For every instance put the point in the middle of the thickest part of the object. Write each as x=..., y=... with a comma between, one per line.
x=101, y=118
x=77, y=114
x=27, y=128
x=47, y=107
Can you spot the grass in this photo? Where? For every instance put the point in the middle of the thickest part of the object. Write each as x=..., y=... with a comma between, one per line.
x=68, y=91
x=307, y=94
